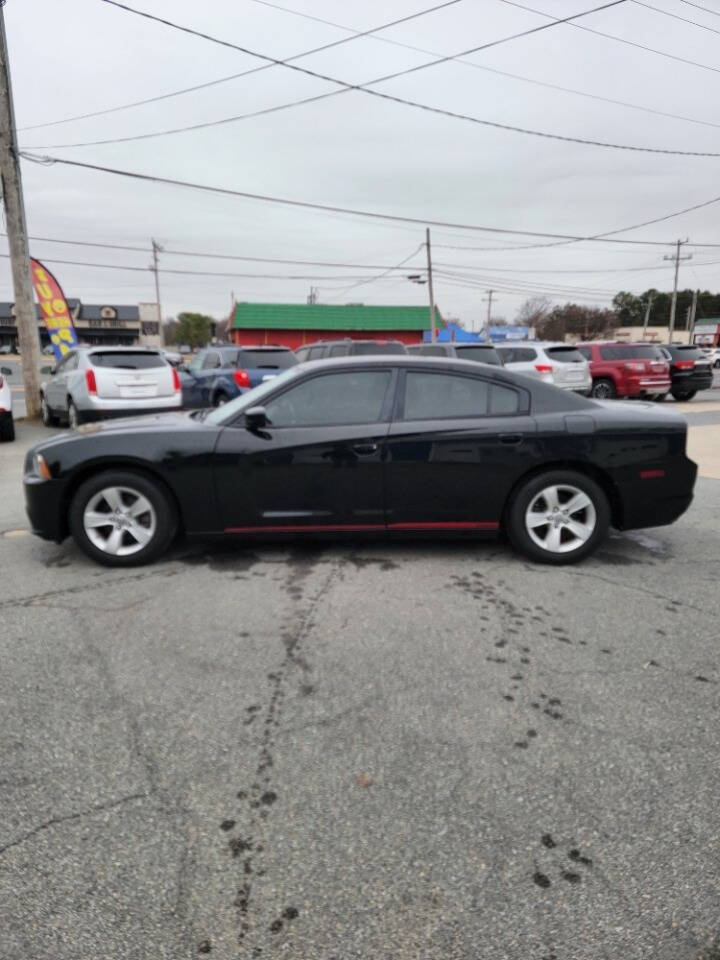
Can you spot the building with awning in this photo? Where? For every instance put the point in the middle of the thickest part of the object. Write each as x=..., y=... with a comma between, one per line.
x=294, y=324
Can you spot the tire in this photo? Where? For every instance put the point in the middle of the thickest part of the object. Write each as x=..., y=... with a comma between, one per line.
x=220, y=399
x=48, y=417
x=681, y=396
x=7, y=428
x=74, y=417
x=603, y=389
x=131, y=540
x=546, y=542
x=659, y=397
x=717, y=364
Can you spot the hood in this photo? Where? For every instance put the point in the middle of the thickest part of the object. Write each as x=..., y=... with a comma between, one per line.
x=160, y=422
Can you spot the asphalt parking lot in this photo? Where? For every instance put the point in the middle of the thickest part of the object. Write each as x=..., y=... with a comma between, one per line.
x=371, y=751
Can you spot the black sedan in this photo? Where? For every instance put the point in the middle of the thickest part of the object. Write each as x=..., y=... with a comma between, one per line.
x=388, y=445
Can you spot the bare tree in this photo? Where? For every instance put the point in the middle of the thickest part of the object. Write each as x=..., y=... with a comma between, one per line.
x=533, y=312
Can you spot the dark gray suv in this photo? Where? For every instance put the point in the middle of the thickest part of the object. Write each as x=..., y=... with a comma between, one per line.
x=479, y=352
x=348, y=348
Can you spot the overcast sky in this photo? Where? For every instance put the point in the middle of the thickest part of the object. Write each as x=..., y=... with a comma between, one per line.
x=354, y=150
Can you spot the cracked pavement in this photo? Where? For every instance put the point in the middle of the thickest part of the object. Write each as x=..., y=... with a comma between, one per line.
x=360, y=751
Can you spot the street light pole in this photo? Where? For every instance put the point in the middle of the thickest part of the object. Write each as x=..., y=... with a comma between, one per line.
x=156, y=248
x=430, y=285
x=673, y=304
x=12, y=196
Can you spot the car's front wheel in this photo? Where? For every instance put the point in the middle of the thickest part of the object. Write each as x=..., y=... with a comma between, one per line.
x=558, y=517
x=122, y=519
x=74, y=417
x=603, y=389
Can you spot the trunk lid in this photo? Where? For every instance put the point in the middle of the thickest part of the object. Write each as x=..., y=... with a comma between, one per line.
x=131, y=375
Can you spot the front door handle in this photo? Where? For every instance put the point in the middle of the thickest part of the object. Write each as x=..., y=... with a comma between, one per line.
x=365, y=449
x=511, y=439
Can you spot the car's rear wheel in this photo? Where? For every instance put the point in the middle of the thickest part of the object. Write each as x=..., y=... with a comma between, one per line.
x=558, y=517
x=48, y=417
x=603, y=389
x=658, y=397
x=7, y=428
x=682, y=395
x=122, y=519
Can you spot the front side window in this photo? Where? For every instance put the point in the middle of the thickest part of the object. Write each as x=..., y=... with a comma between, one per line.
x=339, y=398
x=445, y=396
x=316, y=353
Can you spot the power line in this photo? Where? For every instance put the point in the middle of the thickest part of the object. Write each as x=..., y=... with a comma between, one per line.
x=376, y=93
x=382, y=276
x=607, y=36
x=675, y=16
x=698, y=7
x=384, y=96
x=245, y=73
x=387, y=40
x=327, y=208
x=196, y=273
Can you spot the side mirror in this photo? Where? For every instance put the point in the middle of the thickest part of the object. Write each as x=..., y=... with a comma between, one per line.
x=255, y=418
x=6, y=371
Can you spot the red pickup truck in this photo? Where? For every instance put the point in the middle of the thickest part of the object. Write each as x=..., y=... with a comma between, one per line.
x=626, y=369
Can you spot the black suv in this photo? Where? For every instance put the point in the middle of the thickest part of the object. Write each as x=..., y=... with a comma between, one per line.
x=479, y=352
x=690, y=370
x=348, y=348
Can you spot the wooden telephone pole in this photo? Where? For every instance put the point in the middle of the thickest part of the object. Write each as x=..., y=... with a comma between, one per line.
x=12, y=197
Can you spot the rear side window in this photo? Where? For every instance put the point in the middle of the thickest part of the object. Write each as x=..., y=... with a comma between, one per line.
x=134, y=360
x=565, y=354
x=517, y=354
x=370, y=349
x=273, y=359
x=339, y=350
x=631, y=351
x=445, y=396
x=479, y=354
x=316, y=353
x=429, y=351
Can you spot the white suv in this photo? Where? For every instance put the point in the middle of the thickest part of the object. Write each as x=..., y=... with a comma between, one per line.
x=559, y=364
x=92, y=383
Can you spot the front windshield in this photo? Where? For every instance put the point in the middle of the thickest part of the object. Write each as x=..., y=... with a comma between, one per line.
x=251, y=398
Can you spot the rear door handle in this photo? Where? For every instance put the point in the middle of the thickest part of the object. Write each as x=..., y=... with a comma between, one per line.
x=510, y=439
x=365, y=449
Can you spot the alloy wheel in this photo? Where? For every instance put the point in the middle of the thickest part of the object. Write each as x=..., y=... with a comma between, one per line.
x=119, y=521
x=73, y=419
x=560, y=518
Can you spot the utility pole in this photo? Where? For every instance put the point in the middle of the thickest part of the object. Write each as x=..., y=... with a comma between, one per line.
x=430, y=285
x=691, y=315
x=12, y=196
x=156, y=248
x=648, y=308
x=489, y=313
x=677, y=258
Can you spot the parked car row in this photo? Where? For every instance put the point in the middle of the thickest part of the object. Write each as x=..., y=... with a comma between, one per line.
x=94, y=383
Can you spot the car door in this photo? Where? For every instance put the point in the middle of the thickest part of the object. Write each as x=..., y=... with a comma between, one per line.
x=317, y=464
x=457, y=444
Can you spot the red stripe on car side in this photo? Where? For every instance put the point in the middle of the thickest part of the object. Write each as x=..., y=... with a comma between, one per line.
x=459, y=525
x=353, y=527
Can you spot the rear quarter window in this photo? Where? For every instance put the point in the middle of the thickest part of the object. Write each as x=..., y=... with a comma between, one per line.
x=565, y=354
x=127, y=361
x=631, y=351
